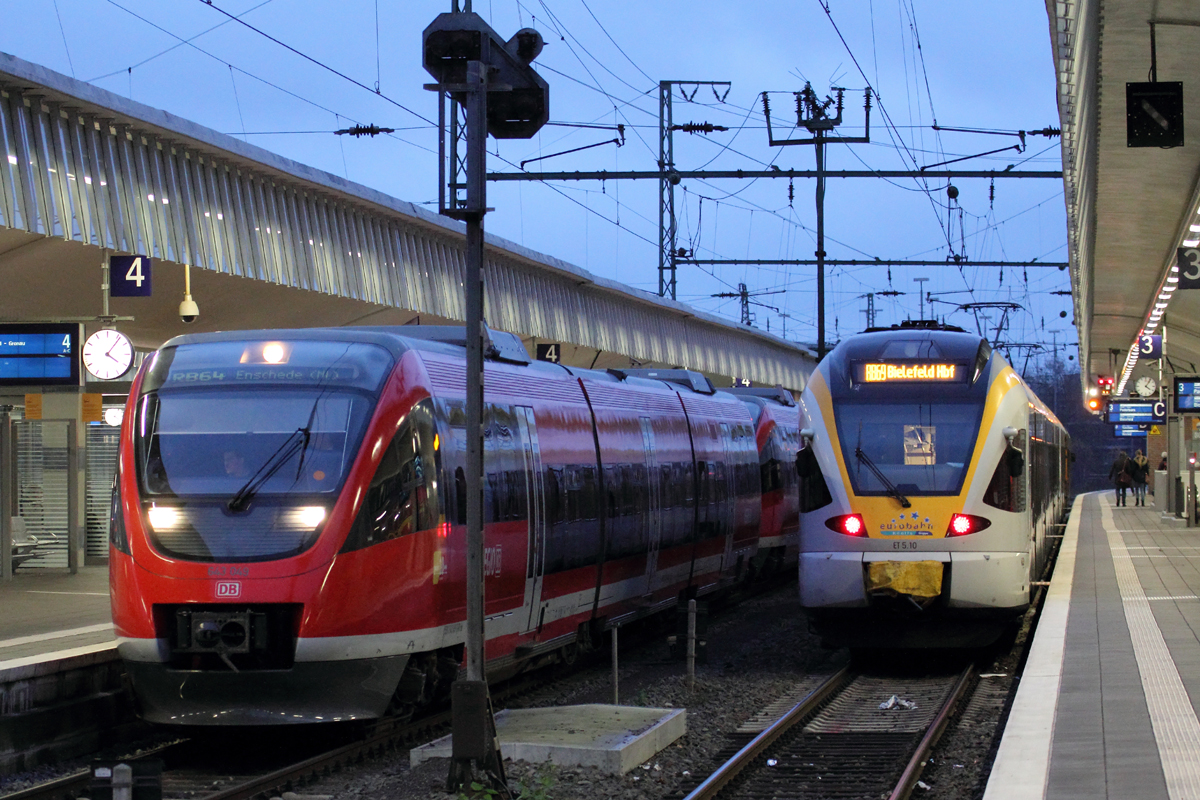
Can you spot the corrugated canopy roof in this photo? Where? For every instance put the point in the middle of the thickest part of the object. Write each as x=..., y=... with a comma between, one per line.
x=1128, y=209
x=280, y=244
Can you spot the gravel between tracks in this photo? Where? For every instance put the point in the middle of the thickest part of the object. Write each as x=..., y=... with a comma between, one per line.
x=755, y=654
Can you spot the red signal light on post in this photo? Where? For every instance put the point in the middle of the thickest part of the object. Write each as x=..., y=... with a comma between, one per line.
x=847, y=524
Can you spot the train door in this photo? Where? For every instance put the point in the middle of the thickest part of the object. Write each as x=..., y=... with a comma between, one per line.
x=653, y=503
x=536, y=559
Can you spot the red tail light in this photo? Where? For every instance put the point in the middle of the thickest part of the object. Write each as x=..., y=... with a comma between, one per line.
x=847, y=524
x=963, y=524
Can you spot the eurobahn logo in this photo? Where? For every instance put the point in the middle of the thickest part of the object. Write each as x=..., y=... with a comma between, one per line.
x=229, y=589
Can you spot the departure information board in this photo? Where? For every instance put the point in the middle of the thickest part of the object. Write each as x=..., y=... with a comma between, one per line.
x=1130, y=429
x=39, y=354
x=1187, y=395
x=1125, y=411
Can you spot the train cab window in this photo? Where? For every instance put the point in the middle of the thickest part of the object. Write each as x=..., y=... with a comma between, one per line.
x=920, y=448
x=402, y=497
x=212, y=442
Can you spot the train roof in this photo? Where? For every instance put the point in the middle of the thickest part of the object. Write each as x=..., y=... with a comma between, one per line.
x=499, y=346
x=897, y=342
x=761, y=395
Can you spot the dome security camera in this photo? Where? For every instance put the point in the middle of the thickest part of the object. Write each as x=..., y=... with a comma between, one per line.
x=188, y=310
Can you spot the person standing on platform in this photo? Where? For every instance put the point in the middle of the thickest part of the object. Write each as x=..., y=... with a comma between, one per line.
x=1139, y=468
x=1162, y=465
x=1120, y=477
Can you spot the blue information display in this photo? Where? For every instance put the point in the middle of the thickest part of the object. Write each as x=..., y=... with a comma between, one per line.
x=1187, y=395
x=1126, y=411
x=1131, y=429
x=39, y=354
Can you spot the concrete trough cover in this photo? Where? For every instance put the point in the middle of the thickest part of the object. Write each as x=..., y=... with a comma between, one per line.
x=612, y=738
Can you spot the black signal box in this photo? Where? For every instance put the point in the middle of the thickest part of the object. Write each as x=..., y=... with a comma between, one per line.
x=1154, y=114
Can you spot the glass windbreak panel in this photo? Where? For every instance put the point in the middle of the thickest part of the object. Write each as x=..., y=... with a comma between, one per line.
x=921, y=448
x=213, y=443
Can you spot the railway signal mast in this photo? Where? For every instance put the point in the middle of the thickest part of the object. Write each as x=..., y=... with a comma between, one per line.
x=491, y=80
x=813, y=114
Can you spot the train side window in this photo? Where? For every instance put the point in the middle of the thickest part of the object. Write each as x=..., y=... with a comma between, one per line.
x=1001, y=490
x=460, y=496
x=493, y=482
x=402, y=496
x=814, y=492
x=556, y=509
x=589, y=508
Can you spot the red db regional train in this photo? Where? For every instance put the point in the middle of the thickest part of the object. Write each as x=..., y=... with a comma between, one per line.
x=289, y=515
x=930, y=478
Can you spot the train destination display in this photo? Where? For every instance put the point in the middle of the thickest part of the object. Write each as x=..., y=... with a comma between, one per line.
x=1187, y=395
x=1123, y=411
x=909, y=373
x=39, y=354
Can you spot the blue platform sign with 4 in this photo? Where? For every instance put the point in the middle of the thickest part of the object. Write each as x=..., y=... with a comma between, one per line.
x=129, y=276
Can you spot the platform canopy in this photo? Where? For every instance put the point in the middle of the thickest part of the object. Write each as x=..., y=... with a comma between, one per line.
x=1129, y=209
x=272, y=243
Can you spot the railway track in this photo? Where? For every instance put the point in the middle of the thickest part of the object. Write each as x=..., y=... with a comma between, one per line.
x=854, y=736
x=192, y=771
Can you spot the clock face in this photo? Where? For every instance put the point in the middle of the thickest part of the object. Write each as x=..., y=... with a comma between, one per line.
x=1145, y=386
x=107, y=354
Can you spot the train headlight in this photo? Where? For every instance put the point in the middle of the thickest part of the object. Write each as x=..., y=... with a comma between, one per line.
x=963, y=524
x=311, y=516
x=163, y=518
x=847, y=524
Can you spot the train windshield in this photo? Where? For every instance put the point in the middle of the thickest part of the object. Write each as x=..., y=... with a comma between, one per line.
x=213, y=429
x=917, y=448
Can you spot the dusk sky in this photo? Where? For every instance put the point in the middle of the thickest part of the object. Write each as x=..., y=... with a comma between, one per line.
x=984, y=65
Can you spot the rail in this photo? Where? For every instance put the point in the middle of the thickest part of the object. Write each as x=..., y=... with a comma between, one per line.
x=759, y=744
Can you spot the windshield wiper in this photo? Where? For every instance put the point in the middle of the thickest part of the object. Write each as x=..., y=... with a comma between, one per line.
x=281, y=456
x=297, y=442
x=891, y=487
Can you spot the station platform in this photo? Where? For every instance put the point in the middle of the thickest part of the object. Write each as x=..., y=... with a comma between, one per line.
x=1107, y=705
x=51, y=614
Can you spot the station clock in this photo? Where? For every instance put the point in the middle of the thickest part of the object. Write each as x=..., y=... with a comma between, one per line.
x=107, y=354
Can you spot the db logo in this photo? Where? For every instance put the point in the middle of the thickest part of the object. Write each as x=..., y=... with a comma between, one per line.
x=229, y=589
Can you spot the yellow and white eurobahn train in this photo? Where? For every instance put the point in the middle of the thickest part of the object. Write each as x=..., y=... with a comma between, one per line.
x=930, y=478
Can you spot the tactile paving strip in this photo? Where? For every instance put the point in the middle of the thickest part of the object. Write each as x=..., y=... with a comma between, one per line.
x=1176, y=729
